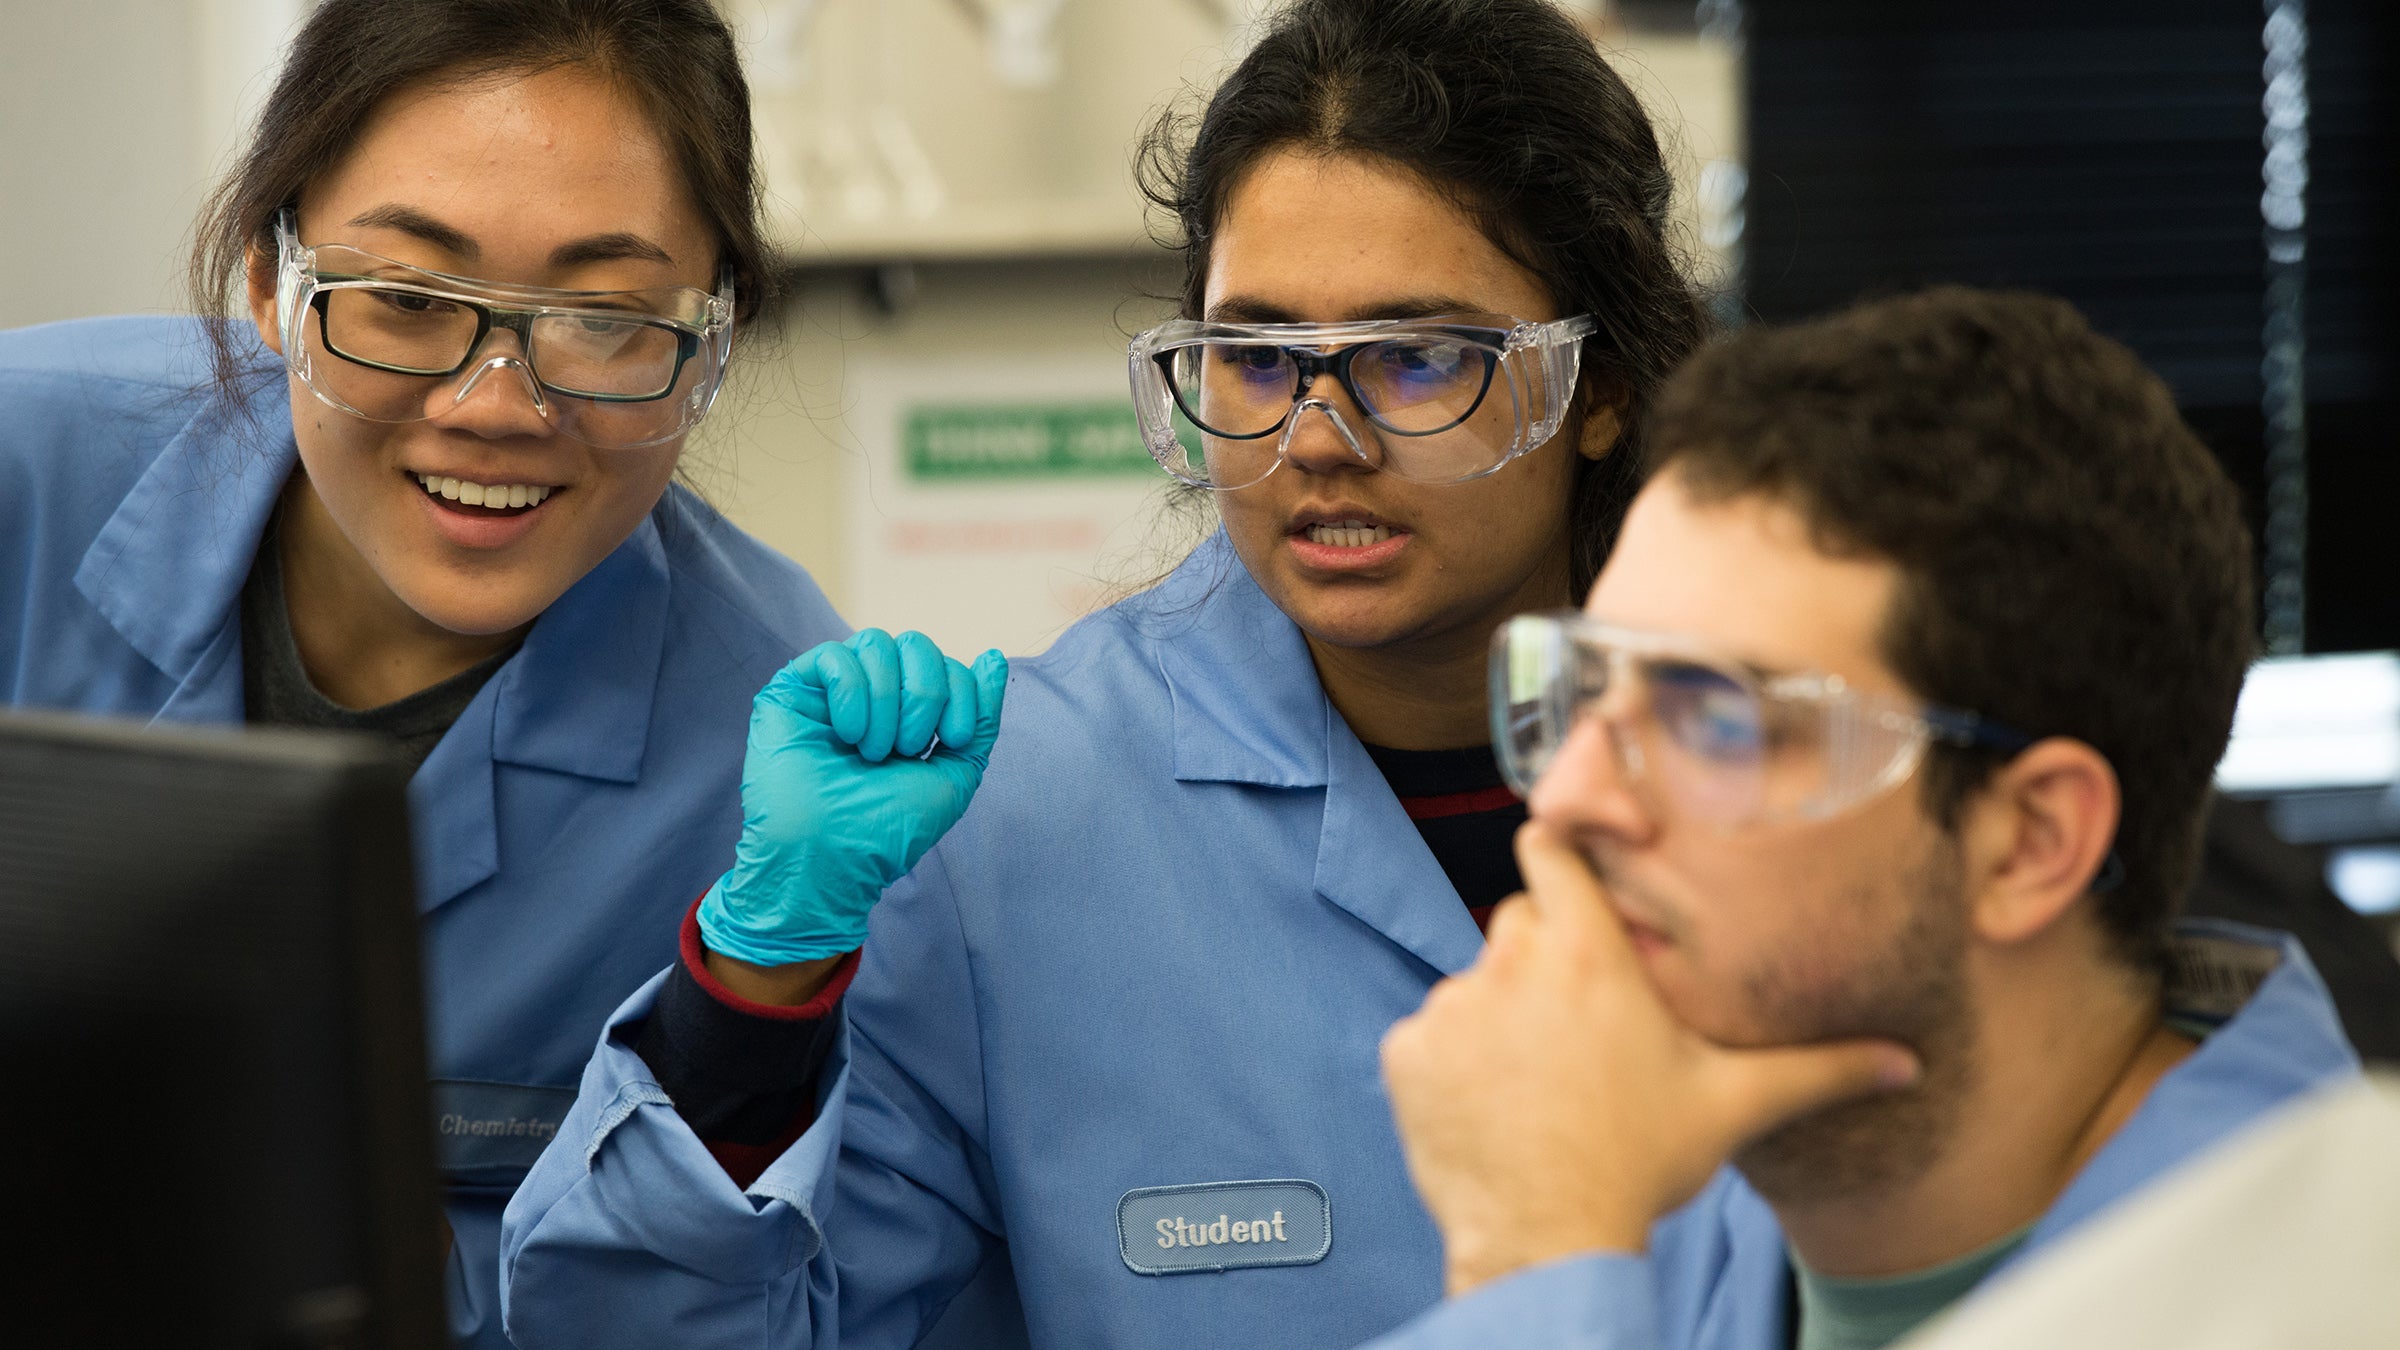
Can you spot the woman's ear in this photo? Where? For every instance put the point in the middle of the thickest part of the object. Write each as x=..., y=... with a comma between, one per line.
x=2043, y=827
x=1603, y=419
x=1601, y=431
x=258, y=289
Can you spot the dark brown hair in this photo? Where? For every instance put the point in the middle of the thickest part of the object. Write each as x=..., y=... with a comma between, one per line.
x=675, y=57
x=2073, y=561
x=1506, y=107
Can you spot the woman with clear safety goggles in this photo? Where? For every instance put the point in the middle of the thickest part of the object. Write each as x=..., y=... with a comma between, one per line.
x=493, y=261
x=1110, y=1073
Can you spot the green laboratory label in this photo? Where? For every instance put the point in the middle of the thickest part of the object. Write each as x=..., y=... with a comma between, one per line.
x=1023, y=440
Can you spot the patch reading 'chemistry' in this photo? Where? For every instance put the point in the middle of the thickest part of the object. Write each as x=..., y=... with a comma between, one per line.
x=490, y=1133
x=1223, y=1225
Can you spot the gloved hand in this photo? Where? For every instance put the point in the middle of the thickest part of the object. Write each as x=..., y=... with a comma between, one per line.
x=839, y=798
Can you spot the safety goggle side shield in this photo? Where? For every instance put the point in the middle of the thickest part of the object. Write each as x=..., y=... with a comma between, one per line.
x=390, y=342
x=1443, y=400
x=1555, y=361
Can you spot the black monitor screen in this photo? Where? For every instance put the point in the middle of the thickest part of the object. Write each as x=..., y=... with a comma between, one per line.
x=210, y=1030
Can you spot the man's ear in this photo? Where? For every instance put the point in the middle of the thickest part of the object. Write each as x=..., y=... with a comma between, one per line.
x=258, y=290
x=2037, y=834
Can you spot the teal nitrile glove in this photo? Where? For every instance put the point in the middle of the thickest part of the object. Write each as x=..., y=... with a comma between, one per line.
x=840, y=798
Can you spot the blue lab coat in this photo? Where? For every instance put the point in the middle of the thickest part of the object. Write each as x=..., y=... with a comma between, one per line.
x=1159, y=950
x=1715, y=1275
x=589, y=792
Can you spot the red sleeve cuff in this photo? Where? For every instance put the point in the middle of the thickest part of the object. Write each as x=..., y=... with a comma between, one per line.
x=743, y=1163
x=822, y=1006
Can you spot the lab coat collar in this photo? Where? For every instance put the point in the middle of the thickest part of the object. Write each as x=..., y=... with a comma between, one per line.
x=577, y=696
x=2285, y=1041
x=1372, y=861
x=166, y=570
x=575, y=699
x=1248, y=708
x=453, y=805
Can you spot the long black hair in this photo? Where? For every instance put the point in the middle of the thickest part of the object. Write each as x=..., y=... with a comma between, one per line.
x=1506, y=107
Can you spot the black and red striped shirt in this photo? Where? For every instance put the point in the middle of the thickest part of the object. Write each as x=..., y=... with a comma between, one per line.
x=1467, y=814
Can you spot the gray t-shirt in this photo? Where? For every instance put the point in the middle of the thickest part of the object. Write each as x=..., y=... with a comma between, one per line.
x=276, y=690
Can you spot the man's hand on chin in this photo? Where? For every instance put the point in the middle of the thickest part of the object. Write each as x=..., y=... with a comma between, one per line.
x=1549, y=1103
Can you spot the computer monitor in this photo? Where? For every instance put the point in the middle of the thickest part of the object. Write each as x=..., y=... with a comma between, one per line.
x=217, y=1130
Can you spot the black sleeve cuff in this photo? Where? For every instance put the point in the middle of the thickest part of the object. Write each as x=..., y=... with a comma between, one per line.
x=735, y=1077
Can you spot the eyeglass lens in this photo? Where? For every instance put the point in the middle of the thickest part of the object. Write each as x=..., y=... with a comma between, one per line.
x=1415, y=386
x=1703, y=736
x=589, y=354
x=1690, y=736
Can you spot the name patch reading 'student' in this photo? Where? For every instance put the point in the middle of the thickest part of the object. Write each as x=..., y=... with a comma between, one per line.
x=1223, y=1225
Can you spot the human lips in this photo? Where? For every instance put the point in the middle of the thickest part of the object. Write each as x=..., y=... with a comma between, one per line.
x=490, y=495
x=482, y=514
x=1344, y=538
x=1647, y=922
x=1347, y=533
x=1646, y=940
x=1340, y=518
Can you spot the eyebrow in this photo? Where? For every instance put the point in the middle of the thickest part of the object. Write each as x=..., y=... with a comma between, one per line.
x=1705, y=649
x=609, y=247
x=1251, y=309
x=411, y=221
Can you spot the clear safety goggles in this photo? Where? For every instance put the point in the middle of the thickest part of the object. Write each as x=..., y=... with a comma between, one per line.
x=391, y=342
x=1444, y=399
x=1704, y=737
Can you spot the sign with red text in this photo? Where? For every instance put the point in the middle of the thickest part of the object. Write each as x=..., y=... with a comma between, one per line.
x=992, y=505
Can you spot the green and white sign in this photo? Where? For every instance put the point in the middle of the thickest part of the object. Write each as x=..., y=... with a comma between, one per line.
x=945, y=442
x=996, y=500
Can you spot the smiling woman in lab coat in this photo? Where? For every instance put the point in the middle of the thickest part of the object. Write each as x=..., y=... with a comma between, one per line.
x=491, y=261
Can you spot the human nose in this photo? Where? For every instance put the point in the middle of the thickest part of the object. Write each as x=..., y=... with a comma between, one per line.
x=498, y=395
x=1590, y=783
x=1326, y=432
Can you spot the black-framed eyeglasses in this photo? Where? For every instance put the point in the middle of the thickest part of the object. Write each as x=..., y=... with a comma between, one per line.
x=394, y=342
x=1420, y=384
x=581, y=352
x=1453, y=397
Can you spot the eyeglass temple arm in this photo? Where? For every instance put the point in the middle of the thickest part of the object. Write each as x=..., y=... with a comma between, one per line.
x=1967, y=729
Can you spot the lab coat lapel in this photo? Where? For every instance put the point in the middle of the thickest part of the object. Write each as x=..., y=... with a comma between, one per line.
x=211, y=691
x=453, y=806
x=1248, y=709
x=1372, y=861
x=167, y=572
x=1247, y=705
x=575, y=699
x=167, y=568
x=577, y=696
